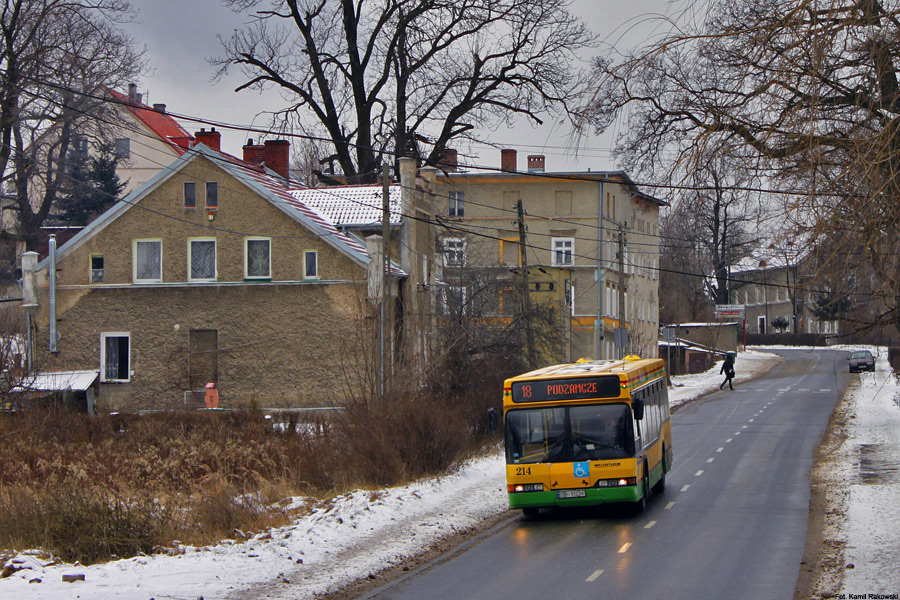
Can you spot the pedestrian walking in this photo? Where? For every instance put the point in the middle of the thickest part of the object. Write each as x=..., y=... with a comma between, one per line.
x=728, y=369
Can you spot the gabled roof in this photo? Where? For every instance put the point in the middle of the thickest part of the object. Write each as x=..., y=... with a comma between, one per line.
x=351, y=206
x=269, y=186
x=161, y=124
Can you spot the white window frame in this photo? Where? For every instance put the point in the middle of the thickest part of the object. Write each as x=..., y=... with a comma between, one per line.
x=134, y=260
x=92, y=271
x=456, y=204
x=306, y=254
x=190, y=261
x=247, y=274
x=459, y=247
x=103, y=337
x=554, y=249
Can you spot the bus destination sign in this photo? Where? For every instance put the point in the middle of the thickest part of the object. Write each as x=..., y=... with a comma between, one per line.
x=579, y=388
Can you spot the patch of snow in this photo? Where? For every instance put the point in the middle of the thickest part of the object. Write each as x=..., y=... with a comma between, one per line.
x=364, y=532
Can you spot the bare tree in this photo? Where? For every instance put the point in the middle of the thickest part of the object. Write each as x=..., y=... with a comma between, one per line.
x=392, y=77
x=57, y=58
x=807, y=88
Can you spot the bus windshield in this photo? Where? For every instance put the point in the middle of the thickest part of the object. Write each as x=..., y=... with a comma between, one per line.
x=566, y=434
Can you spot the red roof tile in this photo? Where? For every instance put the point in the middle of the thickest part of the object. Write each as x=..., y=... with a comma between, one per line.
x=159, y=123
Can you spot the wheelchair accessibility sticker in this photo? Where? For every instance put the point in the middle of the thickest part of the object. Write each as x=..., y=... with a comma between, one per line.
x=582, y=469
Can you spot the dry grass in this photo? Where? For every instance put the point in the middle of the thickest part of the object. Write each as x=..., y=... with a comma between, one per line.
x=88, y=488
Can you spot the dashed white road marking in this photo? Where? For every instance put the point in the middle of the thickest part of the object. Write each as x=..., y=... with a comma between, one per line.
x=743, y=427
x=698, y=473
x=670, y=504
x=650, y=524
x=720, y=449
x=684, y=489
x=595, y=575
x=737, y=433
x=824, y=390
x=624, y=547
x=709, y=460
x=751, y=420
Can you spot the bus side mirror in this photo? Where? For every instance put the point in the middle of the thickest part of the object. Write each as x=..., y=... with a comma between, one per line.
x=492, y=419
x=638, y=405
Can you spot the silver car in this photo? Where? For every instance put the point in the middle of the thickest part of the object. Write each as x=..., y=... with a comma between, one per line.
x=861, y=360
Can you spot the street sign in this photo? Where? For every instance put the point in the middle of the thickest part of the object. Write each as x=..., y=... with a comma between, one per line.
x=724, y=311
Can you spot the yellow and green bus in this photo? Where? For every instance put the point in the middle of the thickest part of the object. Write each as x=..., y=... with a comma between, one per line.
x=587, y=433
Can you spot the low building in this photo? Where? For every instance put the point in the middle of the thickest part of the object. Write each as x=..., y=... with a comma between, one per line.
x=212, y=272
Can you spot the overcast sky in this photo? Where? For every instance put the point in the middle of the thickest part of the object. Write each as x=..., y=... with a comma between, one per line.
x=181, y=35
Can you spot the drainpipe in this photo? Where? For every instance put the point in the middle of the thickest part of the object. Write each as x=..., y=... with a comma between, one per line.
x=29, y=302
x=598, y=277
x=54, y=336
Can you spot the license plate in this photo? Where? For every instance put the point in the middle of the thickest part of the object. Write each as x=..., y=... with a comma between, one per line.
x=571, y=494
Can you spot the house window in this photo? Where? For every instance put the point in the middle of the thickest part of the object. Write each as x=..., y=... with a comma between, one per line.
x=761, y=324
x=123, y=148
x=212, y=195
x=454, y=252
x=456, y=204
x=190, y=194
x=202, y=258
x=81, y=147
x=148, y=261
x=562, y=251
x=257, y=258
x=96, y=268
x=455, y=298
x=310, y=265
x=115, y=357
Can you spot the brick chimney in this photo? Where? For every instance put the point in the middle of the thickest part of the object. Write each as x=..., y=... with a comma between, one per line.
x=254, y=154
x=448, y=160
x=277, y=156
x=132, y=93
x=535, y=163
x=160, y=108
x=211, y=138
x=508, y=159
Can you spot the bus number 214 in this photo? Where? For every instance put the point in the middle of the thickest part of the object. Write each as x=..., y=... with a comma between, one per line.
x=523, y=470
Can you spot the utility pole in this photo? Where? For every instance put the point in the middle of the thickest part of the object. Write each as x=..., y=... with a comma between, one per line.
x=384, y=343
x=622, y=337
x=526, y=297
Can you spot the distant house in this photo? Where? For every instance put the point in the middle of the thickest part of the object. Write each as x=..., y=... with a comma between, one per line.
x=776, y=288
x=213, y=271
x=592, y=248
x=147, y=139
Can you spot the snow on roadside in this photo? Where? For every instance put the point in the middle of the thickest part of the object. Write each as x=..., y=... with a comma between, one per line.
x=359, y=533
x=872, y=524
x=748, y=365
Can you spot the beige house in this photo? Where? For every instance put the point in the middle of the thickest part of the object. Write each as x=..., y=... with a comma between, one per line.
x=591, y=242
x=146, y=138
x=211, y=272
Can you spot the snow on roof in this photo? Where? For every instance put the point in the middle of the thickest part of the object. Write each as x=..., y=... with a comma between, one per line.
x=61, y=380
x=351, y=206
x=268, y=184
x=158, y=122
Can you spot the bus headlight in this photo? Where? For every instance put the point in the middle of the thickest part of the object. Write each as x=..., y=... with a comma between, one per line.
x=525, y=487
x=622, y=482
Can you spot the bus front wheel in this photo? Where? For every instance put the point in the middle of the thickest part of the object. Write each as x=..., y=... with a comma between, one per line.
x=660, y=486
x=641, y=505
